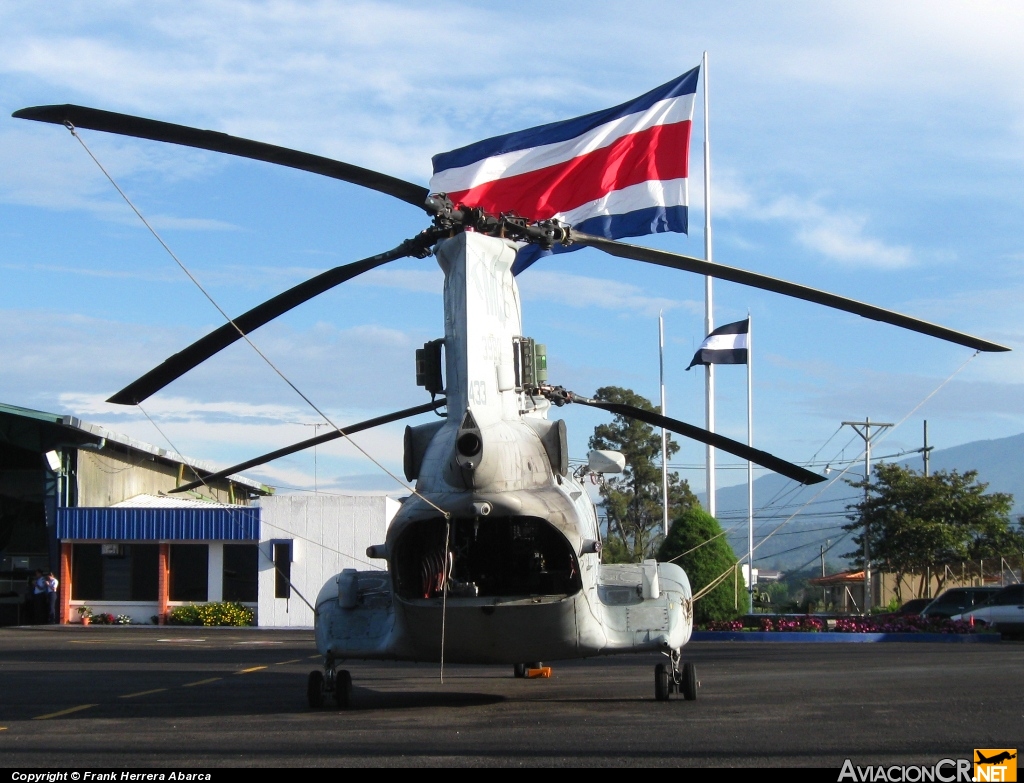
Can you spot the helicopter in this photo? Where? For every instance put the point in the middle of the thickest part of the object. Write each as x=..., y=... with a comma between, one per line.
x=495, y=558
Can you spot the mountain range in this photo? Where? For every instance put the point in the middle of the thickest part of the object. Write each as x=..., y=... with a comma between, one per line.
x=819, y=514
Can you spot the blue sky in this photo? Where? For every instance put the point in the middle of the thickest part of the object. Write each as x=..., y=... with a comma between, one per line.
x=869, y=149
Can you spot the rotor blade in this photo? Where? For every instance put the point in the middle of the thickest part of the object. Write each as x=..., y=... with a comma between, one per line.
x=741, y=450
x=732, y=274
x=306, y=444
x=139, y=127
x=220, y=338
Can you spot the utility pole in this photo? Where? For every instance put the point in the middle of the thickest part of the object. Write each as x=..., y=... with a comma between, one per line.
x=926, y=451
x=863, y=428
x=824, y=600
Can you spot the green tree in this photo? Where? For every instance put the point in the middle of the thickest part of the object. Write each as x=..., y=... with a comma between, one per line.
x=708, y=556
x=918, y=523
x=632, y=501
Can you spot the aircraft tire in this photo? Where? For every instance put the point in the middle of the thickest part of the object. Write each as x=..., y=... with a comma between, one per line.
x=519, y=671
x=689, y=683
x=662, y=682
x=315, y=689
x=342, y=688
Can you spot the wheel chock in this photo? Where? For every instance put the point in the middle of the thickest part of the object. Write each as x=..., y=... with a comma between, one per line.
x=543, y=672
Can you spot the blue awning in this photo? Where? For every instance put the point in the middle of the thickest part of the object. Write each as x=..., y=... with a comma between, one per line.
x=240, y=523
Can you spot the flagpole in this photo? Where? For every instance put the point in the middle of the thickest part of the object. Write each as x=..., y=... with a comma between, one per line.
x=709, y=319
x=750, y=465
x=664, y=432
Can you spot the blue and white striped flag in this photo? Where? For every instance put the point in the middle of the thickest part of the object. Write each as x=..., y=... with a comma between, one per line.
x=725, y=345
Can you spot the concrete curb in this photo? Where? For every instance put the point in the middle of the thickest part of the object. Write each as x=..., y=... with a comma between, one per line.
x=831, y=637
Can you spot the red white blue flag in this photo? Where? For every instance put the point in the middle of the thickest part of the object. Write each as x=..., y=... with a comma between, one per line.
x=621, y=172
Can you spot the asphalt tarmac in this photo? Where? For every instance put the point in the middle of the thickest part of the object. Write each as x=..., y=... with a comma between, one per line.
x=202, y=698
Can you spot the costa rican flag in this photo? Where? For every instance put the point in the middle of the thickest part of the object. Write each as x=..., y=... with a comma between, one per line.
x=621, y=172
x=729, y=344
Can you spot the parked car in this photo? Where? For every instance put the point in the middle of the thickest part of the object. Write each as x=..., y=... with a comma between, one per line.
x=1004, y=611
x=910, y=608
x=958, y=600
x=913, y=606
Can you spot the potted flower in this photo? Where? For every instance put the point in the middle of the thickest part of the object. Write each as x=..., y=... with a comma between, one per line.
x=85, y=613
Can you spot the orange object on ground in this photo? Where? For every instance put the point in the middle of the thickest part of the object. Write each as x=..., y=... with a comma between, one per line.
x=543, y=671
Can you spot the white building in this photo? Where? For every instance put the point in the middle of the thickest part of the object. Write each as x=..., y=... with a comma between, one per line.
x=307, y=539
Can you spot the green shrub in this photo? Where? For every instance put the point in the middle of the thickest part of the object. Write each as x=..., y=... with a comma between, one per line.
x=222, y=613
x=712, y=556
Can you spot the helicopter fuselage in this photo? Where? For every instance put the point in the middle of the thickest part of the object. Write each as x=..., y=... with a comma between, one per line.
x=496, y=556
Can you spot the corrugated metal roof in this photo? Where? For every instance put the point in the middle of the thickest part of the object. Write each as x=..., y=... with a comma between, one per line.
x=28, y=413
x=239, y=523
x=163, y=501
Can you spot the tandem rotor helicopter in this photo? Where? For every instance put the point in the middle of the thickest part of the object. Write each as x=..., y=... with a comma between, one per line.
x=496, y=556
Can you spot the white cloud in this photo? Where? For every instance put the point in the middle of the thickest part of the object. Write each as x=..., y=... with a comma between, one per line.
x=579, y=292
x=187, y=410
x=39, y=169
x=231, y=432
x=113, y=274
x=841, y=238
x=56, y=354
x=837, y=235
x=419, y=280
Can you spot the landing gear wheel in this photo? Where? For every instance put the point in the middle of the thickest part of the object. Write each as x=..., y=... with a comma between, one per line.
x=342, y=688
x=519, y=670
x=315, y=690
x=662, y=682
x=535, y=665
x=689, y=683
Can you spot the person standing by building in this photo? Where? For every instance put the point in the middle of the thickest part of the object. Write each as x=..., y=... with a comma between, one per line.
x=51, y=597
x=39, y=598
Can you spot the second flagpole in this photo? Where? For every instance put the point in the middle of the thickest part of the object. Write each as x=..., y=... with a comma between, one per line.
x=750, y=465
x=709, y=318
x=664, y=432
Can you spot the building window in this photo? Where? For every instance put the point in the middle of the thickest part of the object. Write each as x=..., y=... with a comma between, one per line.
x=114, y=572
x=282, y=570
x=190, y=569
x=241, y=572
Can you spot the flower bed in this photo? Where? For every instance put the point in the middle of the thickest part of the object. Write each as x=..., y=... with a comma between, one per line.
x=724, y=625
x=904, y=624
x=222, y=613
x=811, y=624
x=807, y=624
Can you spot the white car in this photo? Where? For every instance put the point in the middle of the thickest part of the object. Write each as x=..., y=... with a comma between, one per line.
x=1004, y=611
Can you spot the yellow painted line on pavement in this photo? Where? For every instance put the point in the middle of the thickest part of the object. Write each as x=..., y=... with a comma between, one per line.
x=200, y=682
x=68, y=711
x=253, y=669
x=313, y=658
x=142, y=693
x=3, y=728
x=293, y=660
